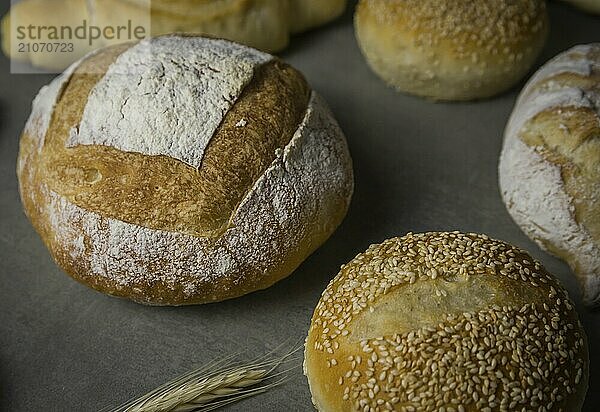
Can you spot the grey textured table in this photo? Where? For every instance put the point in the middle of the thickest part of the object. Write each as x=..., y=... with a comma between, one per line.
x=419, y=166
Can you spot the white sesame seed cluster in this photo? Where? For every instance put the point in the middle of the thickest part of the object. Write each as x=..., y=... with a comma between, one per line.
x=530, y=356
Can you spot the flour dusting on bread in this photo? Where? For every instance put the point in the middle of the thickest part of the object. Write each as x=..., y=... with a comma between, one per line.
x=170, y=104
x=544, y=210
x=305, y=183
x=531, y=177
x=43, y=106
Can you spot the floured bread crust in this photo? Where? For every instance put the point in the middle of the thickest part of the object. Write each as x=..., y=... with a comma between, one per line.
x=203, y=95
x=446, y=321
x=550, y=163
x=238, y=231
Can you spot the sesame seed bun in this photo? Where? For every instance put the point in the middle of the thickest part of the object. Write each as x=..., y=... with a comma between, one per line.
x=445, y=321
x=451, y=50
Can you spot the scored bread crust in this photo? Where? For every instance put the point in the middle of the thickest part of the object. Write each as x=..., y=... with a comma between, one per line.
x=450, y=321
x=549, y=170
x=458, y=50
x=287, y=212
x=202, y=105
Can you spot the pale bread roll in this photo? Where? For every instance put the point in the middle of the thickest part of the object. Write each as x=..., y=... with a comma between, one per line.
x=37, y=14
x=550, y=163
x=264, y=24
x=446, y=321
x=182, y=170
x=451, y=50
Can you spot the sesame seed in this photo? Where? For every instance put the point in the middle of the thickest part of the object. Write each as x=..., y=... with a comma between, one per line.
x=495, y=357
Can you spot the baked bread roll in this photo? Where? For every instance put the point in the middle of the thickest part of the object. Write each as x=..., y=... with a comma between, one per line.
x=264, y=24
x=451, y=50
x=42, y=13
x=591, y=6
x=550, y=163
x=445, y=321
x=182, y=170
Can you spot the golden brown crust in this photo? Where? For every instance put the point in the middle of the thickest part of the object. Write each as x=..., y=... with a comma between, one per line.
x=206, y=9
x=271, y=108
x=158, y=292
x=161, y=192
x=571, y=140
x=282, y=190
x=455, y=50
x=302, y=14
x=445, y=320
x=262, y=24
x=548, y=169
x=34, y=165
x=570, y=136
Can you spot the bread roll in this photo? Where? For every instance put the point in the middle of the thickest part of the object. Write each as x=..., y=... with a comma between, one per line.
x=550, y=163
x=591, y=6
x=264, y=24
x=451, y=50
x=42, y=13
x=182, y=170
x=445, y=321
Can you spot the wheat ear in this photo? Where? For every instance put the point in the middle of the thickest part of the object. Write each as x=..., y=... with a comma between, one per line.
x=215, y=385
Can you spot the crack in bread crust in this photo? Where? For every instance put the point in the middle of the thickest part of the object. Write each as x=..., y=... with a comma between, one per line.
x=549, y=175
x=290, y=211
x=282, y=217
x=163, y=193
x=570, y=133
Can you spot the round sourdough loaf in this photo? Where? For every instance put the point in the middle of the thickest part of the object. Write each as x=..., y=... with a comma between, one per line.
x=550, y=163
x=445, y=321
x=182, y=170
x=454, y=49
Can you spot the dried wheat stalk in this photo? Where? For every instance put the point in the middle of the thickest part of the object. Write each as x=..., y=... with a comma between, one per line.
x=215, y=385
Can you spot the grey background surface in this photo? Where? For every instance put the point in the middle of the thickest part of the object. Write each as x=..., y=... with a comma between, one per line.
x=419, y=166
